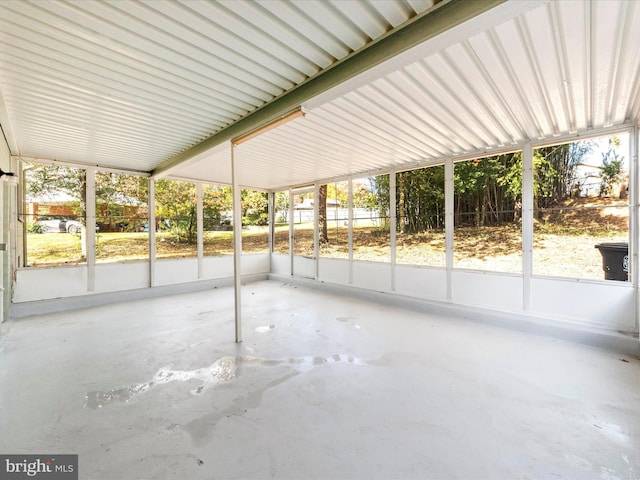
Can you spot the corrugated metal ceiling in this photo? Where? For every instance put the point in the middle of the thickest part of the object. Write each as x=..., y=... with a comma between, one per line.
x=131, y=83
x=139, y=86
x=562, y=68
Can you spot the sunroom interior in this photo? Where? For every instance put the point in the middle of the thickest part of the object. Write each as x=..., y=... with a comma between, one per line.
x=296, y=102
x=512, y=78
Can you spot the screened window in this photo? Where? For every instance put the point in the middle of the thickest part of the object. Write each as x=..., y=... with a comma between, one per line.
x=54, y=215
x=488, y=213
x=217, y=208
x=176, y=219
x=255, y=222
x=122, y=217
x=371, y=226
x=420, y=238
x=281, y=227
x=581, y=202
x=303, y=224
x=333, y=222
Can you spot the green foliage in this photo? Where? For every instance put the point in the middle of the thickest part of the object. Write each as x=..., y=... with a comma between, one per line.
x=176, y=207
x=555, y=171
x=612, y=172
x=488, y=191
x=420, y=199
x=35, y=227
x=255, y=208
x=217, y=205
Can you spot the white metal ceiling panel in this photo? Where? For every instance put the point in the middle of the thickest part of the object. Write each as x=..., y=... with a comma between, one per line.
x=562, y=68
x=130, y=84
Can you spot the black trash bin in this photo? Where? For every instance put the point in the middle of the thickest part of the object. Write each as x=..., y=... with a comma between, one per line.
x=615, y=260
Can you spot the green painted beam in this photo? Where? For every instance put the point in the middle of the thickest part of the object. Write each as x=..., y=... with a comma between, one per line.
x=429, y=24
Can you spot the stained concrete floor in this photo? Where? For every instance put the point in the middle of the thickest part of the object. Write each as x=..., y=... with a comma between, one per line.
x=323, y=387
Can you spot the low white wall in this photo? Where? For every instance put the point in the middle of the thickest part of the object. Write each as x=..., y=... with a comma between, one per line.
x=604, y=305
x=254, y=264
x=176, y=270
x=372, y=276
x=113, y=277
x=51, y=282
x=34, y=284
x=421, y=282
x=304, y=267
x=217, y=267
x=608, y=305
x=281, y=264
x=497, y=291
x=333, y=270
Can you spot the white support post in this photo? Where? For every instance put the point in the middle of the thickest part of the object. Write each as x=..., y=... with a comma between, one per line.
x=237, y=241
x=634, y=218
x=392, y=227
x=449, y=222
x=350, y=227
x=316, y=229
x=90, y=228
x=152, y=232
x=271, y=212
x=291, y=232
x=199, y=228
x=527, y=224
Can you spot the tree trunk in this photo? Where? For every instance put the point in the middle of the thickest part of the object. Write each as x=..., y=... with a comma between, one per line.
x=401, y=207
x=322, y=215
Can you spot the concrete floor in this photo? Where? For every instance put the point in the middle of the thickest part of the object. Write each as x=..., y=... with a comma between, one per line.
x=323, y=386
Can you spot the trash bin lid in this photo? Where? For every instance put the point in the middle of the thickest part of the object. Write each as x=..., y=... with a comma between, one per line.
x=613, y=246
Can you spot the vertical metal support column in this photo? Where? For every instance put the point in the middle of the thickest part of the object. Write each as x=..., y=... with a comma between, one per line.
x=316, y=229
x=90, y=228
x=449, y=223
x=271, y=212
x=199, y=228
x=237, y=241
x=291, y=239
x=527, y=224
x=392, y=227
x=350, y=227
x=634, y=218
x=152, y=232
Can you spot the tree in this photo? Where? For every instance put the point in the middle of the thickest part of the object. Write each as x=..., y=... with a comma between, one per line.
x=217, y=206
x=255, y=207
x=323, y=236
x=176, y=208
x=612, y=172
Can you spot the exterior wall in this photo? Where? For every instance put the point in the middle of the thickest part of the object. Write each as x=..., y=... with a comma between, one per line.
x=5, y=205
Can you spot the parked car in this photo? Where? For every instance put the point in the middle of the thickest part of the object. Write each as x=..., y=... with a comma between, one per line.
x=56, y=224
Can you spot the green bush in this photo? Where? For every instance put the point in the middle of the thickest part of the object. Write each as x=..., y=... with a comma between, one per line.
x=35, y=227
